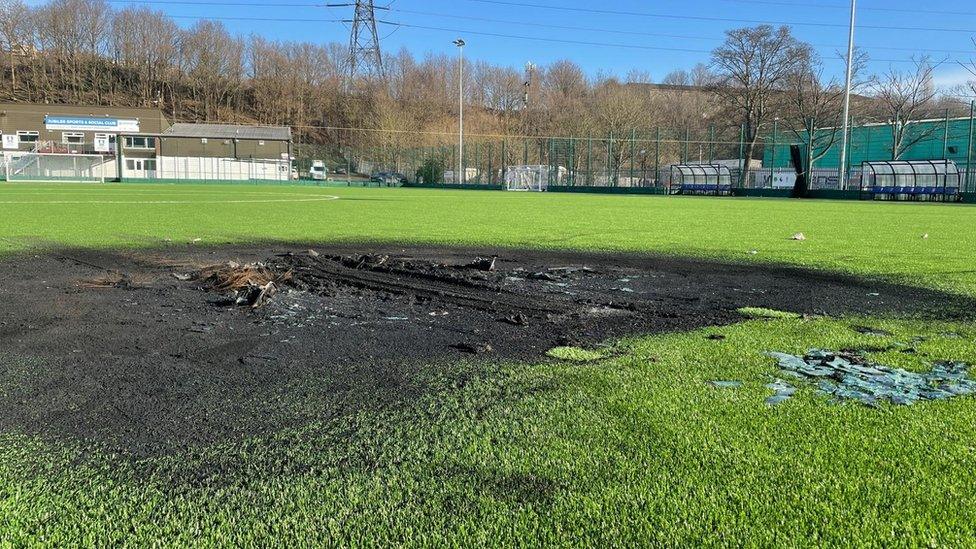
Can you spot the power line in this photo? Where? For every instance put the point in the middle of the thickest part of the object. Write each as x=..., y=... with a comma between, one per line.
x=759, y=2
x=519, y=37
x=707, y=18
x=577, y=42
x=847, y=6
x=639, y=33
x=541, y=39
x=496, y=35
x=218, y=3
x=260, y=19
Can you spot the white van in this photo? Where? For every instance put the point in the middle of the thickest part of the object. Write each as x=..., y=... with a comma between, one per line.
x=318, y=171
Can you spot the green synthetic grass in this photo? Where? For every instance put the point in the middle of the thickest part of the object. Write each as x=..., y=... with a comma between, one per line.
x=867, y=238
x=762, y=312
x=634, y=449
x=575, y=354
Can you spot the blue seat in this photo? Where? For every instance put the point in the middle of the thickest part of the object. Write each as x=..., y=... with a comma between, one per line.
x=913, y=191
x=705, y=187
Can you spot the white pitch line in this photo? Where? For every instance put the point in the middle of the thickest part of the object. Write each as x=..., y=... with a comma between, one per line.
x=7, y=191
x=255, y=201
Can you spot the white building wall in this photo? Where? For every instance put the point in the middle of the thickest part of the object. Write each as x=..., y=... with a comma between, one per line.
x=220, y=169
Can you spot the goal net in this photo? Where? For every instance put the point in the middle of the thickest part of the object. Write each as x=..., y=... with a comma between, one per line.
x=533, y=178
x=32, y=166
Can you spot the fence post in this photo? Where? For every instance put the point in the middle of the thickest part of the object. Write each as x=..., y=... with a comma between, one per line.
x=589, y=160
x=684, y=156
x=491, y=172
x=742, y=146
x=848, y=160
x=610, y=172
x=772, y=159
x=969, y=149
x=633, y=143
x=550, y=160
x=504, y=159
x=711, y=143
x=811, y=128
x=657, y=156
x=571, y=173
x=945, y=137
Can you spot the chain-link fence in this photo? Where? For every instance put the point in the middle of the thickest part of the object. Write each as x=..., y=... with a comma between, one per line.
x=651, y=160
x=645, y=159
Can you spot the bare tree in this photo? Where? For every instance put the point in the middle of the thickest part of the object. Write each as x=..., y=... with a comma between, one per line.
x=15, y=21
x=618, y=110
x=497, y=89
x=752, y=66
x=812, y=110
x=215, y=66
x=903, y=98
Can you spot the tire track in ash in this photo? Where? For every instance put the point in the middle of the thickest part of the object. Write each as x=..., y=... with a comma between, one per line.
x=460, y=291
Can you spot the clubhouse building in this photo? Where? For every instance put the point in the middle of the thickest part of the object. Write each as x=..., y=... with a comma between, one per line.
x=124, y=143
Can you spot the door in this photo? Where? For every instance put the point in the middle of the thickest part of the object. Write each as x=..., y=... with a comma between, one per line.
x=141, y=168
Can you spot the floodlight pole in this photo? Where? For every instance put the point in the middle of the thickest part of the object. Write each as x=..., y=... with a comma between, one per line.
x=842, y=171
x=459, y=178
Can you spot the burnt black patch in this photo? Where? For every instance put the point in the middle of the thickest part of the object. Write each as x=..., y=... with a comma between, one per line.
x=161, y=365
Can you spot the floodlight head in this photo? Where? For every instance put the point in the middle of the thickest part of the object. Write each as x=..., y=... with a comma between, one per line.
x=459, y=43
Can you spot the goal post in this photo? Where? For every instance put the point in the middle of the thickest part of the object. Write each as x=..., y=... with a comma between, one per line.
x=533, y=177
x=34, y=166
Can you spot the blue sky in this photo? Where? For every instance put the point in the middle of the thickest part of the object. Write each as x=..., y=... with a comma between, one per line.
x=823, y=24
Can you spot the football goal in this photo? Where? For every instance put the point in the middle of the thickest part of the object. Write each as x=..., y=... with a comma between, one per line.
x=32, y=166
x=533, y=178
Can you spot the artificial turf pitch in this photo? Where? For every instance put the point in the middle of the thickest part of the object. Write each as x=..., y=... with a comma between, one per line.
x=635, y=448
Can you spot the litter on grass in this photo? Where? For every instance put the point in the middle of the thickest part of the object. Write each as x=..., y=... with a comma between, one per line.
x=723, y=384
x=782, y=391
x=848, y=375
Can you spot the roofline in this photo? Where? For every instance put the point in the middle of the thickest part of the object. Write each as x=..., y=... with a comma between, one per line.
x=919, y=121
x=56, y=105
x=163, y=135
x=233, y=125
x=170, y=131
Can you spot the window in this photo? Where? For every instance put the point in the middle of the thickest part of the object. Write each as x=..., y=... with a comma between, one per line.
x=140, y=164
x=140, y=142
x=73, y=138
x=28, y=137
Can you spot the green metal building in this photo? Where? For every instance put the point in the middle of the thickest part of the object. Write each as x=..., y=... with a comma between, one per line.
x=937, y=139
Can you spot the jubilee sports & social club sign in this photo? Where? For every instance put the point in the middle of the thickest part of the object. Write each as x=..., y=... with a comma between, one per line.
x=83, y=123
